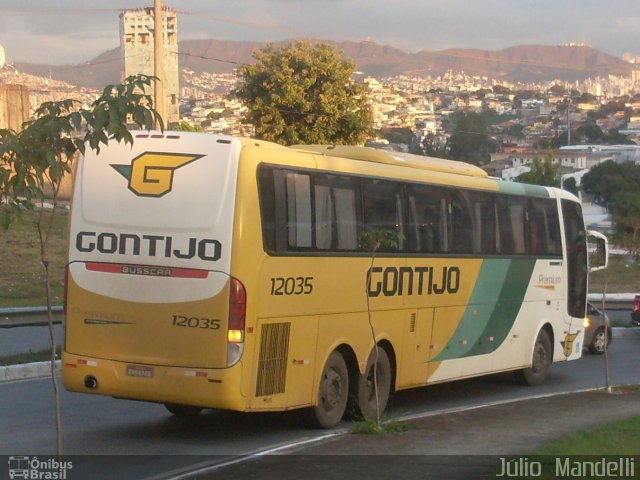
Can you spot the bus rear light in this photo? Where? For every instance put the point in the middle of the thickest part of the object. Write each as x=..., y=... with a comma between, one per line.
x=236, y=324
x=237, y=310
x=235, y=336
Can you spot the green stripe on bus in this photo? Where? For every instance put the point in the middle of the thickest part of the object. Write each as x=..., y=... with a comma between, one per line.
x=523, y=189
x=479, y=312
x=509, y=304
x=485, y=331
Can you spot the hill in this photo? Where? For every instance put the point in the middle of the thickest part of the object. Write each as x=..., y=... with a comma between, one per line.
x=524, y=63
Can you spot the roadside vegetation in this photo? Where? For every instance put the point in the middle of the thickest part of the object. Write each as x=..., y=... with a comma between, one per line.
x=29, y=357
x=22, y=276
x=612, y=441
x=617, y=438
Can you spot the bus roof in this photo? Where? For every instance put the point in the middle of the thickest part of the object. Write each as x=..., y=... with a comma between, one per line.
x=368, y=154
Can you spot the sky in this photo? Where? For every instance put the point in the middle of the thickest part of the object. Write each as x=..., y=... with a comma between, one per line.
x=75, y=31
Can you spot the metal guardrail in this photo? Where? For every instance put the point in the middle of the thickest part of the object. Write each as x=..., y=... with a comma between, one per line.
x=32, y=316
x=613, y=301
x=29, y=316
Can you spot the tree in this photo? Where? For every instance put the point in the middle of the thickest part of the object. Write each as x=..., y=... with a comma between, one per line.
x=41, y=153
x=185, y=126
x=570, y=185
x=304, y=93
x=590, y=133
x=470, y=141
x=398, y=135
x=606, y=179
x=432, y=147
x=626, y=216
x=501, y=90
x=543, y=172
x=616, y=185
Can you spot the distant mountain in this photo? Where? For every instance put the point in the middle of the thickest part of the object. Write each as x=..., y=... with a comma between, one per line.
x=96, y=73
x=525, y=63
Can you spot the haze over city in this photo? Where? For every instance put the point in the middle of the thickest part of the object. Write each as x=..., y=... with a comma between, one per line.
x=72, y=31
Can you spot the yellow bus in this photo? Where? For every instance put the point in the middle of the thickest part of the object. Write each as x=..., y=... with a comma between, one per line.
x=209, y=271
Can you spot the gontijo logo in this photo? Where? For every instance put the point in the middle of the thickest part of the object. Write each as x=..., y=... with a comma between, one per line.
x=151, y=174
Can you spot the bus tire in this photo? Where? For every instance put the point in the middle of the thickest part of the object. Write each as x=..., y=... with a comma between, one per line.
x=333, y=393
x=182, y=410
x=540, y=362
x=368, y=405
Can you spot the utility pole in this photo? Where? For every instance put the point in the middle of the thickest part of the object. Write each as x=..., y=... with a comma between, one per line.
x=569, y=122
x=158, y=60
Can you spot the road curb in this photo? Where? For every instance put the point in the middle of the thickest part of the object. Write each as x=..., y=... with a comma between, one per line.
x=24, y=371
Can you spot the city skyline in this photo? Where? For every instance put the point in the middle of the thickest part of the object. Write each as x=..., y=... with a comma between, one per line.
x=68, y=32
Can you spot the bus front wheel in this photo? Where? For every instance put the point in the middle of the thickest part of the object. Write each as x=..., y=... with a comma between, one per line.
x=540, y=362
x=377, y=376
x=333, y=392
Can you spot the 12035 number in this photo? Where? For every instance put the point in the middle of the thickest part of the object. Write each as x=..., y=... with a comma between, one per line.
x=195, y=322
x=291, y=285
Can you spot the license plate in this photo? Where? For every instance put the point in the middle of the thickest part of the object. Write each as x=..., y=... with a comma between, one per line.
x=139, y=371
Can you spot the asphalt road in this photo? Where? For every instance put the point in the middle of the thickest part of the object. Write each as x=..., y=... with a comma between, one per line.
x=102, y=425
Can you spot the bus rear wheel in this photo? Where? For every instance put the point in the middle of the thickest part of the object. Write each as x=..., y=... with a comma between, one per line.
x=333, y=392
x=376, y=376
x=540, y=362
x=182, y=410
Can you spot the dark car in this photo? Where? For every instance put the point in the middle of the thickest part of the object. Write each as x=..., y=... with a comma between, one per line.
x=635, y=311
x=597, y=333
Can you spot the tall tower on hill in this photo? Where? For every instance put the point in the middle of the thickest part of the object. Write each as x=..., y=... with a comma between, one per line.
x=136, y=46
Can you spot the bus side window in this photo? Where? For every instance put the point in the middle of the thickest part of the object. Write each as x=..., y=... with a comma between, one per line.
x=336, y=223
x=485, y=228
x=543, y=227
x=536, y=229
x=267, y=207
x=517, y=213
x=462, y=221
x=298, y=191
x=552, y=228
x=425, y=229
x=382, y=204
x=324, y=216
x=505, y=232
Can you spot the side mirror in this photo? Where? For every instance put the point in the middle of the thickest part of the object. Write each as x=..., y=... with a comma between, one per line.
x=597, y=246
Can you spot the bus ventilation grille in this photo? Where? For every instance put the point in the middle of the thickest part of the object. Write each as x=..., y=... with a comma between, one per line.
x=272, y=365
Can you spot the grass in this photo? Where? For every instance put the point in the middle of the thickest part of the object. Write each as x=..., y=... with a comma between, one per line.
x=622, y=276
x=29, y=357
x=611, y=442
x=618, y=438
x=371, y=427
x=22, y=274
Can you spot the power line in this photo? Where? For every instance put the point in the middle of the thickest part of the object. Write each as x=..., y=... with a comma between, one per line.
x=209, y=58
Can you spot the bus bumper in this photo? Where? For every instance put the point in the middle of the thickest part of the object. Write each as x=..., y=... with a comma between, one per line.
x=208, y=388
